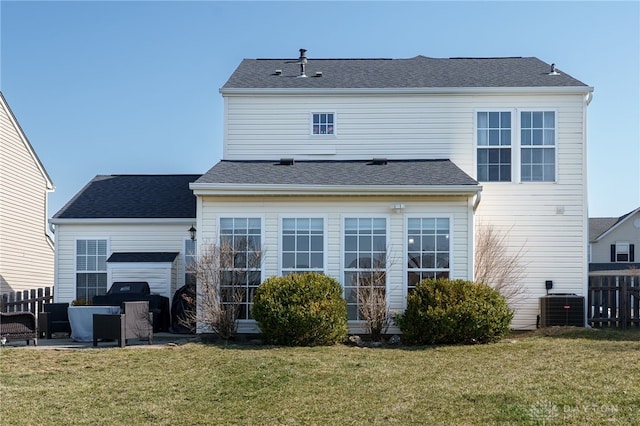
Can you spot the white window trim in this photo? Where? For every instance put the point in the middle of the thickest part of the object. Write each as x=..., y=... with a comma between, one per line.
x=262, y=240
x=518, y=137
x=513, y=112
x=363, y=215
x=325, y=135
x=405, y=245
x=325, y=239
x=184, y=257
x=628, y=251
x=516, y=143
x=75, y=261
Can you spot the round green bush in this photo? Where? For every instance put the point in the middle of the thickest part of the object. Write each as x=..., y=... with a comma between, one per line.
x=301, y=310
x=454, y=311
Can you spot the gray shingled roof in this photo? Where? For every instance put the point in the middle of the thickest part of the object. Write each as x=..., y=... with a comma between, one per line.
x=133, y=196
x=418, y=72
x=599, y=225
x=338, y=173
x=144, y=257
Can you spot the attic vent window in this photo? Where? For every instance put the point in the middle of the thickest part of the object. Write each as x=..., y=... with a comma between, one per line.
x=379, y=161
x=278, y=72
x=287, y=161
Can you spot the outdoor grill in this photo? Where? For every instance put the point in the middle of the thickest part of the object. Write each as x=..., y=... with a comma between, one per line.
x=138, y=291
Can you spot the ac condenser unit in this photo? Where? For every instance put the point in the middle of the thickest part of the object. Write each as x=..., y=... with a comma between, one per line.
x=562, y=309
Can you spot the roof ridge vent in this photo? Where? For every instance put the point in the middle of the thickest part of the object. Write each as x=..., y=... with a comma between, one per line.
x=302, y=60
x=287, y=162
x=379, y=161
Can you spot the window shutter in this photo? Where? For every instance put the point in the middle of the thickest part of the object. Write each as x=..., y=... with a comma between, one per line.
x=631, y=253
x=613, y=253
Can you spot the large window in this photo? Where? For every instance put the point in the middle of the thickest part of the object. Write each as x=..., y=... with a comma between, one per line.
x=241, y=259
x=365, y=260
x=494, y=146
x=322, y=123
x=428, y=249
x=302, y=245
x=537, y=141
x=91, y=268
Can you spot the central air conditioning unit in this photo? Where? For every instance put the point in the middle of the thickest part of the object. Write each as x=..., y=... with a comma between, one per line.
x=562, y=309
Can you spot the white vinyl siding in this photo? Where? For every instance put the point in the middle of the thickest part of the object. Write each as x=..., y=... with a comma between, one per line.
x=131, y=237
x=26, y=252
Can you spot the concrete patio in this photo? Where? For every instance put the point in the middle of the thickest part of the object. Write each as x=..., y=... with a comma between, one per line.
x=65, y=342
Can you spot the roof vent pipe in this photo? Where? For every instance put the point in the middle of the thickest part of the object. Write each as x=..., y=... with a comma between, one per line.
x=303, y=62
x=553, y=70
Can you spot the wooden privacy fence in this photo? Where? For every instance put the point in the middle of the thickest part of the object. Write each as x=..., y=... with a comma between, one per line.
x=614, y=301
x=27, y=300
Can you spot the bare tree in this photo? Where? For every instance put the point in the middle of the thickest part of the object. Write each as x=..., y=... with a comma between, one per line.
x=372, y=298
x=222, y=273
x=497, y=266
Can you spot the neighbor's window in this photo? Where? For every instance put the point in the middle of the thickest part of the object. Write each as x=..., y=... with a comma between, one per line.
x=302, y=245
x=623, y=252
x=91, y=269
x=538, y=146
x=190, y=260
x=241, y=260
x=428, y=249
x=323, y=123
x=365, y=260
x=494, y=146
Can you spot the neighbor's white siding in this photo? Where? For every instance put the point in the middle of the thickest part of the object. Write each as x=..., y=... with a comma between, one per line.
x=134, y=237
x=626, y=232
x=26, y=252
x=334, y=209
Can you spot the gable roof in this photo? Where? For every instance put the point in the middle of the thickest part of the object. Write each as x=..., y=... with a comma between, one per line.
x=417, y=72
x=600, y=226
x=356, y=175
x=28, y=146
x=133, y=197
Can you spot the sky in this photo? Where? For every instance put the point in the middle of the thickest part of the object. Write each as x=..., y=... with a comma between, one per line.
x=133, y=86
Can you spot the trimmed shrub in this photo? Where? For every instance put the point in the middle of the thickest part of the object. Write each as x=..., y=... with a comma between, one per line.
x=301, y=310
x=454, y=311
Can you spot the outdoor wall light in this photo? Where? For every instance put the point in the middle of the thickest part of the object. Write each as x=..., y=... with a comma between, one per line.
x=192, y=233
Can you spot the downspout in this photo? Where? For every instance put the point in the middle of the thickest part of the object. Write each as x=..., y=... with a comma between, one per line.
x=477, y=200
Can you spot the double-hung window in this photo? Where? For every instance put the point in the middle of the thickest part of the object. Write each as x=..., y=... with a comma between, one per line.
x=493, y=133
x=322, y=123
x=365, y=260
x=538, y=146
x=302, y=245
x=622, y=252
x=240, y=261
x=91, y=268
x=428, y=249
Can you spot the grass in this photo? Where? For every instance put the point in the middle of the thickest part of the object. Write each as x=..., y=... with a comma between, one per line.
x=580, y=377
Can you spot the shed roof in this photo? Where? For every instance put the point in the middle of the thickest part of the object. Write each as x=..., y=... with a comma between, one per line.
x=133, y=196
x=339, y=173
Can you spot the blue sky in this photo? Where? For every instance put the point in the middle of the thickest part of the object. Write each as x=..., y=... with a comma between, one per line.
x=132, y=87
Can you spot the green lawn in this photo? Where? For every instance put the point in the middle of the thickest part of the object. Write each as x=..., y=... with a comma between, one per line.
x=579, y=377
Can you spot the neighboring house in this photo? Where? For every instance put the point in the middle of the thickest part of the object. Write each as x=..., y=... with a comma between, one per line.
x=124, y=228
x=26, y=248
x=613, y=244
x=342, y=166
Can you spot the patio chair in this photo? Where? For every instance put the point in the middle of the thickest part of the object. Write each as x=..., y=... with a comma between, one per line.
x=18, y=326
x=135, y=322
x=54, y=319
